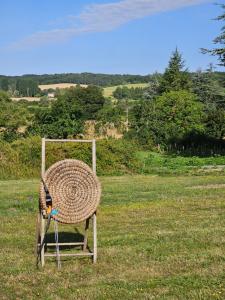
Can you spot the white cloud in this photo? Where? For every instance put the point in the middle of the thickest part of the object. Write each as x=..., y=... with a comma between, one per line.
x=103, y=17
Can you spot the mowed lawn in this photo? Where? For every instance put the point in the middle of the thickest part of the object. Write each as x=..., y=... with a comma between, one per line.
x=158, y=238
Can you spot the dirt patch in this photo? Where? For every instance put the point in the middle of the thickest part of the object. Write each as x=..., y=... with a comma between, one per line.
x=208, y=186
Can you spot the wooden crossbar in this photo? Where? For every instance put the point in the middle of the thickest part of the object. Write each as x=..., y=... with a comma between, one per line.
x=70, y=254
x=63, y=244
x=65, y=141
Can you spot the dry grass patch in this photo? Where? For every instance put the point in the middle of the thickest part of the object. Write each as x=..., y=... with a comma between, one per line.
x=208, y=186
x=58, y=86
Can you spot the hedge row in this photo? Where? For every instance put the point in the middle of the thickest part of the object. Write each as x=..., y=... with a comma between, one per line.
x=22, y=158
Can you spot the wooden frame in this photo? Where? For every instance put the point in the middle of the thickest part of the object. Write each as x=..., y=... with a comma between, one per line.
x=41, y=225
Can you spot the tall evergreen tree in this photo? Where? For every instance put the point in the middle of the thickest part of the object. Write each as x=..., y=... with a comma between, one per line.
x=153, y=87
x=219, y=40
x=175, y=77
x=208, y=88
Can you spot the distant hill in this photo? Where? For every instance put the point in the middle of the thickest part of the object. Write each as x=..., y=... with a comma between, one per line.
x=27, y=85
x=83, y=78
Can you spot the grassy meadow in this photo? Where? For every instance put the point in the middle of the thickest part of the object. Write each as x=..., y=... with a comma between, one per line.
x=159, y=237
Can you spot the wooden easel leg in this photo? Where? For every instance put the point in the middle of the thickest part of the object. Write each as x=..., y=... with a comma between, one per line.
x=94, y=238
x=86, y=235
x=37, y=235
x=42, y=241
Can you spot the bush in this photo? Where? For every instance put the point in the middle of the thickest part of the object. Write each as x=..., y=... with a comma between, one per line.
x=9, y=162
x=22, y=158
x=167, y=118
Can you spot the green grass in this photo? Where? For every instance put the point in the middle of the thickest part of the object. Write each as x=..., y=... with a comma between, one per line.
x=158, y=237
x=157, y=163
x=108, y=91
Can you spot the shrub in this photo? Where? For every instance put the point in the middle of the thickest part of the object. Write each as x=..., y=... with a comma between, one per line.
x=22, y=158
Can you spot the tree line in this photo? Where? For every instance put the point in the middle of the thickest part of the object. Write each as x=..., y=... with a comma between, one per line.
x=103, y=80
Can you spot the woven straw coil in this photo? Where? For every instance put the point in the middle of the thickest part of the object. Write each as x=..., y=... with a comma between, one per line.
x=74, y=189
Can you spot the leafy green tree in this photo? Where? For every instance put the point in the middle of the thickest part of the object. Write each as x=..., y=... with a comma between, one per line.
x=63, y=119
x=122, y=92
x=178, y=113
x=4, y=84
x=169, y=117
x=219, y=40
x=137, y=93
x=27, y=87
x=90, y=99
x=67, y=115
x=144, y=123
x=175, y=77
x=126, y=96
x=12, y=118
x=110, y=115
x=209, y=91
x=214, y=121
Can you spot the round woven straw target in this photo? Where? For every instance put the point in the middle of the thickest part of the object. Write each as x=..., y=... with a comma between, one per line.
x=74, y=189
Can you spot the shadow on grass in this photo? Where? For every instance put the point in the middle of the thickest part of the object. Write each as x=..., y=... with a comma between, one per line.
x=66, y=237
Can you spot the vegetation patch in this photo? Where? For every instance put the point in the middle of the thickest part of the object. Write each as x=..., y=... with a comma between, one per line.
x=159, y=163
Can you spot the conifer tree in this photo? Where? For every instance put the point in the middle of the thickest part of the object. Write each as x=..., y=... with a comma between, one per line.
x=219, y=40
x=207, y=87
x=175, y=77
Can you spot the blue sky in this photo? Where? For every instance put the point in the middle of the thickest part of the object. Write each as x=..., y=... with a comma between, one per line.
x=104, y=36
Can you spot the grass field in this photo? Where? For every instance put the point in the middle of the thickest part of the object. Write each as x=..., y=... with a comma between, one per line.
x=108, y=91
x=58, y=86
x=158, y=237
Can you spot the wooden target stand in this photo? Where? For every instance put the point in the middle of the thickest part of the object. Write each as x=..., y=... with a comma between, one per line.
x=41, y=227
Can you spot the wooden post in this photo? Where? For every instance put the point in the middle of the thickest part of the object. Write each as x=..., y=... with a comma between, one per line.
x=94, y=215
x=42, y=241
x=42, y=157
x=86, y=235
x=94, y=238
x=37, y=237
x=94, y=156
x=41, y=216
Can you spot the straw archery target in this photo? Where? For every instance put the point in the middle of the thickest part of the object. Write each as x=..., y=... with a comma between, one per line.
x=74, y=189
